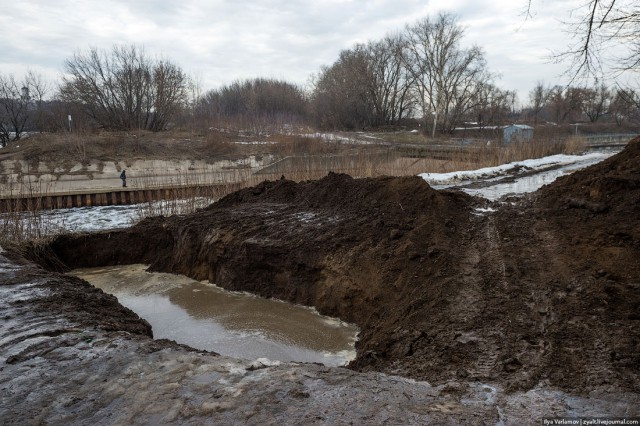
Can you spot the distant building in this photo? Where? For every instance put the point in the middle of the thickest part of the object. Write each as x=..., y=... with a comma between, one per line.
x=517, y=133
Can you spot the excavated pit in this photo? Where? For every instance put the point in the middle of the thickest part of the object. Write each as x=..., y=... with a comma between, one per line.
x=440, y=292
x=542, y=292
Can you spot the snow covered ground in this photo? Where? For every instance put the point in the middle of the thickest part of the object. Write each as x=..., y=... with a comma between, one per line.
x=82, y=219
x=513, y=178
x=87, y=219
x=358, y=138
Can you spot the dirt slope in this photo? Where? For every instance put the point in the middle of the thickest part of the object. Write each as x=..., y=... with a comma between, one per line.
x=543, y=291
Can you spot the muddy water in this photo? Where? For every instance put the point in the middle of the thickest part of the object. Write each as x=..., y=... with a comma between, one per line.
x=240, y=325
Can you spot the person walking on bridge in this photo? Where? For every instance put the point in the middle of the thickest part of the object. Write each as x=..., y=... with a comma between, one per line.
x=123, y=176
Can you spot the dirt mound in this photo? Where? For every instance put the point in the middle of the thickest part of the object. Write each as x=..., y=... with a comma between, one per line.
x=537, y=292
x=585, y=228
x=613, y=184
x=338, y=191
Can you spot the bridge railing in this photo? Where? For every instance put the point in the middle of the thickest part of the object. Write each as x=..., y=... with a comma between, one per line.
x=610, y=138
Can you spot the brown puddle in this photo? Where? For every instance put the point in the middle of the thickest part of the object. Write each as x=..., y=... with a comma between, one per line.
x=239, y=325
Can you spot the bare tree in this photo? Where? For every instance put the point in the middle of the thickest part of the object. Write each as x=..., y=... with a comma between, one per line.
x=446, y=77
x=259, y=105
x=390, y=83
x=491, y=105
x=625, y=106
x=596, y=102
x=538, y=98
x=124, y=89
x=565, y=104
x=367, y=86
x=605, y=32
x=342, y=96
x=21, y=104
x=190, y=117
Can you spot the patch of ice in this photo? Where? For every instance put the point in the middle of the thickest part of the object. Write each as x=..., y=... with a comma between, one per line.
x=330, y=137
x=304, y=216
x=495, y=186
x=264, y=362
x=236, y=369
x=82, y=219
x=255, y=143
x=345, y=356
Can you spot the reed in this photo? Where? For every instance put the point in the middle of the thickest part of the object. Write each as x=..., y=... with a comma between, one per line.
x=21, y=221
x=574, y=145
x=187, y=192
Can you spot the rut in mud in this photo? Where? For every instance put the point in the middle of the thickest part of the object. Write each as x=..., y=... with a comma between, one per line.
x=543, y=290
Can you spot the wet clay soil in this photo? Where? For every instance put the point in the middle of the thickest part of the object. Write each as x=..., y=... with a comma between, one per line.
x=544, y=290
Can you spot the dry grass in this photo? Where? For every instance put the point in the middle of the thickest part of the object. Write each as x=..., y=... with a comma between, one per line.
x=495, y=154
x=20, y=221
x=190, y=192
x=574, y=145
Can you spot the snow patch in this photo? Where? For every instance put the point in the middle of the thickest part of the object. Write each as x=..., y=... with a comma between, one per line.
x=236, y=370
x=483, y=210
x=523, y=176
x=509, y=168
x=264, y=362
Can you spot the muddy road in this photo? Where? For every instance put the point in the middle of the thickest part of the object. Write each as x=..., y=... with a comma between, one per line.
x=538, y=294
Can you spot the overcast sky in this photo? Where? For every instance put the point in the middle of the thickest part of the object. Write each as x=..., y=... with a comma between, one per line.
x=219, y=41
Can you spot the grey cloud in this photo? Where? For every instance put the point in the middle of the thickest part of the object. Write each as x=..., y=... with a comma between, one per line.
x=223, y=40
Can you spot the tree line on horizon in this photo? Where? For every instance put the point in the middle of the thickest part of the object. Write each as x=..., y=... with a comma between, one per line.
x=421, y=75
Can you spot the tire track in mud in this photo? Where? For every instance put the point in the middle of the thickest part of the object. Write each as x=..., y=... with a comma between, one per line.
x=485, y=277
x=563, y=298
x=493, y=258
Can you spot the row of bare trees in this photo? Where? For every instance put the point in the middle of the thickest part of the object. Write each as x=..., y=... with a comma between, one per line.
x=578, y=104
x=258, y=105
x=422, y=71
x=124, y=88
x=118, y=89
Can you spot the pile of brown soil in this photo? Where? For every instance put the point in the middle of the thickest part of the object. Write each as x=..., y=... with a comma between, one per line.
x=544, y=291
x=612, y=185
